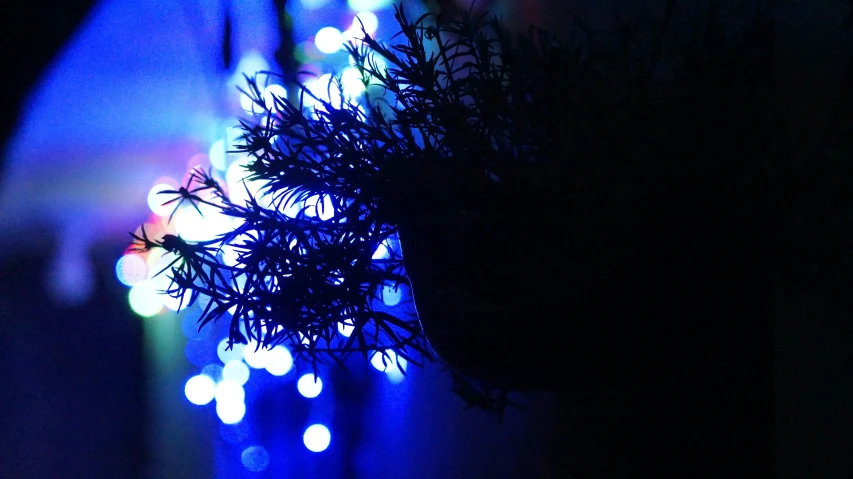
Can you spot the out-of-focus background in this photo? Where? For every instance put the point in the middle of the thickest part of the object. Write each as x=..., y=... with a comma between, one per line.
x=106, y=101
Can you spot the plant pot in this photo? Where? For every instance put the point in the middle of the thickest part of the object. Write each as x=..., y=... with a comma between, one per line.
x=511, y=295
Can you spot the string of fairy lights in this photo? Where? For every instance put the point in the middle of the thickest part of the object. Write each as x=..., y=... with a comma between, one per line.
x=224, y=374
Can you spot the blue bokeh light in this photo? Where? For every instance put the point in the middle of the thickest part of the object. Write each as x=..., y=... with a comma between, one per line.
x=255, y=458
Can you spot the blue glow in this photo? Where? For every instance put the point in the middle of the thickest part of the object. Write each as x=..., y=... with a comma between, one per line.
x=199, y=389
x=255, y=458
x=198, y=352
x=309, y=386
x=279, y=361
x=317, y=438
x=189, y=325
x=214, y=371
x=312, y=4
x=361, y=5
x=234, y=433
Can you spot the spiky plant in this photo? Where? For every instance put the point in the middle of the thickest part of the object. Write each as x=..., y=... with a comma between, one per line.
x=480, y=151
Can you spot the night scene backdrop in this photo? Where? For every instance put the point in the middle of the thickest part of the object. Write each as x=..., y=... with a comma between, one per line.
x=103, y=102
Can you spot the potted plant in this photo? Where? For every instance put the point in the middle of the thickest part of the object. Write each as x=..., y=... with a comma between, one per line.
x=525, y=180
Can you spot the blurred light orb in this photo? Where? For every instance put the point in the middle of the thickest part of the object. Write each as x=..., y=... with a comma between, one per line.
x=279, y=361
x=317, y=438
x=194, y=226
x=271, y=92
x=250, y=64
x=156, y=199
x=325, y=209
x=249, y=106
x=256, y=355
x=255, y=458
x=388, y=361
x=362, y=5
x=326, y=89
x=392, y=296
x=366, y=20
x=217, y=154
x=329, y=40
x=229, y=391
x=312, y=4
x=351, y=83
x=230, y=412
x=382, y=252
x=144, y=299
x=177, y=303
x=235, y=371
x=225, y=354
x=131, y=269
x=346, y=328
x=308, y=387
x=200, y=389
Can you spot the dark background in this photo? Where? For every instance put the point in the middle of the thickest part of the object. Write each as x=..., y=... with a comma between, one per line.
x=780, y=404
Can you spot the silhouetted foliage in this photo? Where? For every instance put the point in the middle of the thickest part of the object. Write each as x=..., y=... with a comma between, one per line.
x=513, y=170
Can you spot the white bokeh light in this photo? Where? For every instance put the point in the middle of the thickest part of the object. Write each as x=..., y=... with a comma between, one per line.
x=325, y=209
x=194, y=226
x=363, y=5
x=131, y=269
x=389, y=363
x=226, y=355
x=231, y=412
x=346, y=328
x=156, y=199
x=229, y=391
x=308, y=387
x=317, y=438
x=144, y=299
x=236, y=371
x=255, y=355
x=200, y=389
x=382, y=252
x=271, y=92
x=250, y=64
x=217, y=154
x=177, y=303
x=279, y=361
x=329, y=40
x=351, y=83
x=367, y=21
